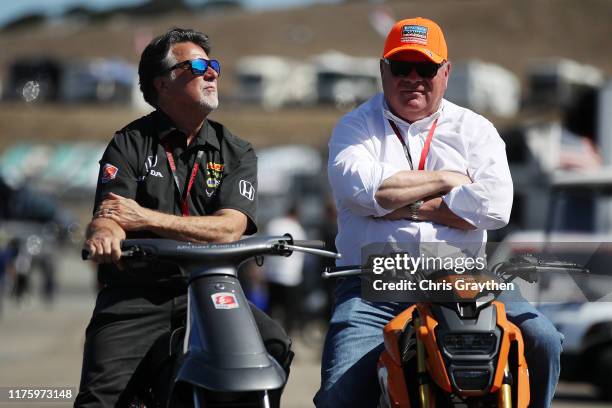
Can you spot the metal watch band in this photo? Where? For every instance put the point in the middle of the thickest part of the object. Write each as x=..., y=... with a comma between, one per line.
x=414, y=210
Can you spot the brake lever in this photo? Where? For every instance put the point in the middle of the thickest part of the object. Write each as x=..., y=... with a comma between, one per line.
x=313, y=251
x=327, y=273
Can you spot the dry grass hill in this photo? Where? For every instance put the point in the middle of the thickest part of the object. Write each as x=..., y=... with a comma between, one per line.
x=507, y=32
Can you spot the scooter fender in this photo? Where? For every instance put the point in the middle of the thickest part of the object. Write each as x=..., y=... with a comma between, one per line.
x=512, y=334
x=390, y=372
x=223, y=349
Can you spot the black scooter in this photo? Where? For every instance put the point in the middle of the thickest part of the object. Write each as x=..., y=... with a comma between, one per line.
x=218, y=359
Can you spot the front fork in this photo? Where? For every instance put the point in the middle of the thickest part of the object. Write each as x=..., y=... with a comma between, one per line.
x=425, y=398
x=504, y=396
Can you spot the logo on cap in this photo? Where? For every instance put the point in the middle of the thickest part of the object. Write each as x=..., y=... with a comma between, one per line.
x=224, y=300
x=109, y=172
x=247, y=190
x=413, y=33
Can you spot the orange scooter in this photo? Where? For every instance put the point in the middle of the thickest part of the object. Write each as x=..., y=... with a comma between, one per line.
x=462, y=352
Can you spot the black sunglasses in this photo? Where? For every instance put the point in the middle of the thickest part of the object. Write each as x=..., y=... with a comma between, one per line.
x=404, y=68
x=198, y=66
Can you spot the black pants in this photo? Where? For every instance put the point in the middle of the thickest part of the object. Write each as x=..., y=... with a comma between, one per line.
x=125, y=324
x=287, y=300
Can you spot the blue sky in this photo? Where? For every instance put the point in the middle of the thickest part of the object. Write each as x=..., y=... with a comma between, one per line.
x=12, y=9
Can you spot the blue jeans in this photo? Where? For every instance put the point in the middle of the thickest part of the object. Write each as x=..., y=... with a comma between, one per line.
x=354, y=342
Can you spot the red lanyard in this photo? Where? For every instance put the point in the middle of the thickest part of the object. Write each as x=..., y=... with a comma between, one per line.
x=194, y=172
x=425, y=150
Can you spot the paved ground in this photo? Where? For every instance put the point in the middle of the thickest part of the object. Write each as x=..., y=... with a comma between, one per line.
x=42, y=345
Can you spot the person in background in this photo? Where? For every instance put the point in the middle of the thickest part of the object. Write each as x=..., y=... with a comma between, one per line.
x=285, y=275
x=8, y=254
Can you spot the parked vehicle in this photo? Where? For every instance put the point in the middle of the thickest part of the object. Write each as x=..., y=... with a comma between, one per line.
x=484, y=87
x=345, y=80
x=559, y=81
x=579, y=219
x=34, y=79
x=274, y=81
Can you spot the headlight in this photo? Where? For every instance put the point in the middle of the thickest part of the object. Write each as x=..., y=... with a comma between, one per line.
x=471, y=379
x=469, y=343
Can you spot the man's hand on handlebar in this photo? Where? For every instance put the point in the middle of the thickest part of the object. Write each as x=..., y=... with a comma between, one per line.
x=104, y=241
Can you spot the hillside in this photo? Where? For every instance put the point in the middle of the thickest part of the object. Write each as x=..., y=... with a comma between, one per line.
x=509, y=33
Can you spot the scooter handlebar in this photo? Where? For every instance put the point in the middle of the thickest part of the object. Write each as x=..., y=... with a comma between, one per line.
x=527, y=267
x=86, y=255
x=252, y=246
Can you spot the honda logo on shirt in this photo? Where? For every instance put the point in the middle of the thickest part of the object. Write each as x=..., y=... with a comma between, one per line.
x=247, y=190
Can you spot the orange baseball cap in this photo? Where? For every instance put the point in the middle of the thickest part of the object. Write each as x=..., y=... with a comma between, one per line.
x=419, y=35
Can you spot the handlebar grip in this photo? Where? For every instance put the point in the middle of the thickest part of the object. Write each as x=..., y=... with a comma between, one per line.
x=86, y=255
x=313, y=243
x=333, y=269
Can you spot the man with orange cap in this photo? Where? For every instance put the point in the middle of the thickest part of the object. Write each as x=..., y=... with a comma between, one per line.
x=408, y=168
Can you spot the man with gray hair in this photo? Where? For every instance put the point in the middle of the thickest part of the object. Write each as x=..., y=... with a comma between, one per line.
x=171, y=174
x=410, y=168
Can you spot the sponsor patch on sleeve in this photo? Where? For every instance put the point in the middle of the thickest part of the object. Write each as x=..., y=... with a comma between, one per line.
x=224, y=300
x=109, y=172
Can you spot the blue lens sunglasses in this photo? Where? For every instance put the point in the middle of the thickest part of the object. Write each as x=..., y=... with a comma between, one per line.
x=198, y=66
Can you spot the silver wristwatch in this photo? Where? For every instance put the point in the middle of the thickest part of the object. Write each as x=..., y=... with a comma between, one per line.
x=413, y=210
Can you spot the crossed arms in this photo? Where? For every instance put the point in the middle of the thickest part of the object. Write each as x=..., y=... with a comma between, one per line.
x=117, y=214
x=407, y=187
x=368, y=186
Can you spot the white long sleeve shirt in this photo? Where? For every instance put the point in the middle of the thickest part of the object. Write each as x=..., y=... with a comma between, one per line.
x=364, y=151
x=287, y=271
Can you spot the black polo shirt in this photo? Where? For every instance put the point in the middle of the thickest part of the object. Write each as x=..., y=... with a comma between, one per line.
x=135, y=165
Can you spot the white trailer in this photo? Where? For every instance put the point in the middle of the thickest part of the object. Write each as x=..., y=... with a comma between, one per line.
x=484, y=87
x=346, y=80
x=557, y=81
x=275, y=81
x=98, y=81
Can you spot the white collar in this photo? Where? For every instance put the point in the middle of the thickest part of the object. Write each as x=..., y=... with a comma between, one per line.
x=429, y=119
